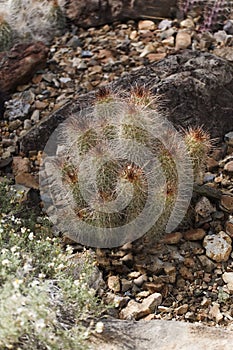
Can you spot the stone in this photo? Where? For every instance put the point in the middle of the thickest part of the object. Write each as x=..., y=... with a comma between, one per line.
x=229, y=138
x=140, y=280
x=187, y=23
x=27, y=124
x=195, y=77
x=135, y=310
x=27, y=180
x=95, y=13
x=19, y=65
x=183, y=40
x=204, y=208
x=218, y=246
x=186, y=273
x=149, y=48
x=228, y=279
x=172, y=238
x=165, y=334
x=212, y=164
x=208, y=264
x=165, y=24
x=117, y=300
x=182, y=309
x=114, y=283
x=125, y=285
x=215, y=312
x=146, y=25
x=170, y=270
x=169, y=41
x=20, y=165
x=35, y=117
x=229, y=227
x=153, y=287
x=228, y=167
x=154, y=57
x=226, y=203
x=127, y=246
x=194, y=234
x=14, y=125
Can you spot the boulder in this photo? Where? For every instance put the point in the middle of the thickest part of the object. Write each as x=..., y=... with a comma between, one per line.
x=194, y=88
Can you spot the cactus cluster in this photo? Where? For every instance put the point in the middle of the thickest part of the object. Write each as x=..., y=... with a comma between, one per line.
x=213, y=12
x=120, y=170
x=27, y=20
x=6, y=34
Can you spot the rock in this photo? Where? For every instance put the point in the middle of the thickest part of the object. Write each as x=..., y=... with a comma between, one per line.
x=27, y=180
x=172, y=238
x=114, y=283
x=135, y=310
x=154, y=57
x=95, y=13
x=162, y=334
x=165, y=24
x=228, y=26
x=15, y=124
x=148, y=49
x=186, y=273
x=169, y=41
x=153, y=287
x=212, y=164
x=229, y=227
x=127, y=246
x=4, y=162
x=198, y=77
x=20, y=63
x=116, y=300
x=20, y=165
x=170, y=270
x=35, y=117
x=140, y=280
x=224, y=52
x=229, y=138
x=207, y=264
x=228, y=167
x=125, y=285
x=218, y=247
x=187, y=23
x=227, y=203
x=228, y=279
x=204, y=208
x=181, y=310
x=183, y=40
x=194, y=234
x=215, y=313
x=146, y=25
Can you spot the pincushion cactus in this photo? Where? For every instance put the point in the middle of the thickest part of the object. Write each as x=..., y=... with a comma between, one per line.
x=121, y=171
x=213, y=12
x=34, y=19
x=6, y=35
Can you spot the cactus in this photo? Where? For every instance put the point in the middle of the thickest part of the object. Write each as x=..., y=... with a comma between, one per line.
x=34, y=19
x=6, y=35
x=120, y=158
x=214, y=12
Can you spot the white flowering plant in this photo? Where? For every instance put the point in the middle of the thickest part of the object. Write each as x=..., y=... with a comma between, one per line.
x=42, y=304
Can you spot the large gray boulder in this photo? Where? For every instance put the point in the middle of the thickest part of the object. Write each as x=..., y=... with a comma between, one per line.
x=194, y=88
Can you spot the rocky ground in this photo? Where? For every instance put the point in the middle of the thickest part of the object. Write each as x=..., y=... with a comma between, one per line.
x=189, y=274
